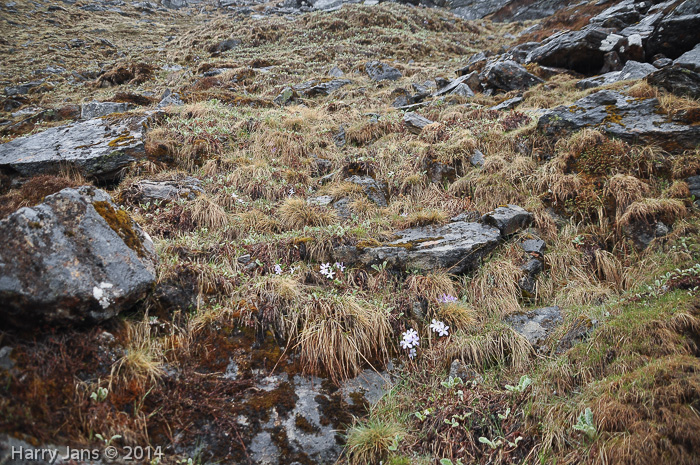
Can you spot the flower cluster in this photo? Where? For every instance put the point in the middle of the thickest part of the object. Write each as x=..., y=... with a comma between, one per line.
x=410, y=341
x=447, y=298
x=439, y=327
x=327, y=269
x=278, y=269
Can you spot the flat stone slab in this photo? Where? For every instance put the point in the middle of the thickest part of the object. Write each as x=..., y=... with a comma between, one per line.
x=631, y=119
x=99, y=148
x=458, y=247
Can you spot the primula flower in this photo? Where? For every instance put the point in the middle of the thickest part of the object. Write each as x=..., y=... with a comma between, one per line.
x=447, y=298
x=340, y=266
x=410, y=339
x=278, y=269
x=412, y=353
x=327, y=271
x=439, y=327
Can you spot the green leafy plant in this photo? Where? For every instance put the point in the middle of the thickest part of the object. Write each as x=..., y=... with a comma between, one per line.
x=100, y=394
x=106, y=440
x=585, y=424
x=523, y=384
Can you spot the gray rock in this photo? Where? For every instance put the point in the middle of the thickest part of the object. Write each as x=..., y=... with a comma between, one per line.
x=690, y=59
x=477, y=159
x=374, y=190
x=631, y=70
x=415, y=122
x=468, y=216
x=98, y=109
x=6, y=360
x=320, y=87
x=677, y=32
x=684, y=82
x=506, y=76
x=536, y=246
x=224, y=45
x=508, y=104
x=163, y=191
x=76, y=258
x=457, y=86
x=475, y=63
x=378, y=71
x=631, y=119
x=508, y=219
x=336, y=72
x=582, y=50
x=22, y=89
x=458, y=369
x=170, y=98
x=457, y=246
x=99, y=148
x=536, y=325
x=694, y=186
x=286, y=97
x=320, y=200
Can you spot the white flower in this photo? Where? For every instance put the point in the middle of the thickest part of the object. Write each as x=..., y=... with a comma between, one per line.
x=439, y=327
x=340, y=266
x=278, y=269
x=291, y=191
x=412, y=353
x=447, y=298
x=327, y=271
x=292, y=270
x=410, y=339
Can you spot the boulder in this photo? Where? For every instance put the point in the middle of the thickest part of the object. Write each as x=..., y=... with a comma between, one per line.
x=690, y=59
x=631, y=119
x=506, y=76
x=534, y=246
x=320, y=87
x=163, y=191
x=224, y=45
x=508, y=219
x=581, y=51
x=457, y=246
x=74, y=259
x=286, y=97
x=97, y=109
x=675, y=79
x=475, y=63
x=477, y=158
x=536, y=325
x=631, y=70
x=378, y=71
x=99, y=148
x=170, y=98
x=457, y=86
x=508, y=104
x=415, y=122
x=677, y=32
x=372, y=189
x=22, y=89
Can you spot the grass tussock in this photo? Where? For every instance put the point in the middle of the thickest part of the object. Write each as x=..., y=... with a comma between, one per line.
x=296, y=213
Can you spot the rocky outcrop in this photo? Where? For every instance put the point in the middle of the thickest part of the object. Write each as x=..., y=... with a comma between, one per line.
x=506, y=76
x=678, y=80
x=97, y=109
x=509, y=219
x=677, y=32
x=163, y=191
x=415, y=122
x=458, y=246
x=320, y=87
x=690, y=59
x=582, y=51
x=99, y=148
x=76, y=258
x=536, y=325
x=631, y=119
x=631, y=70
x=378, y=71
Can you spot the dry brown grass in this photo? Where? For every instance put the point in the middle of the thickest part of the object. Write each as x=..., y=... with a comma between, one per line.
x=666, y=210
x=626, y=190
x=208, y=214
x=295, y=213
